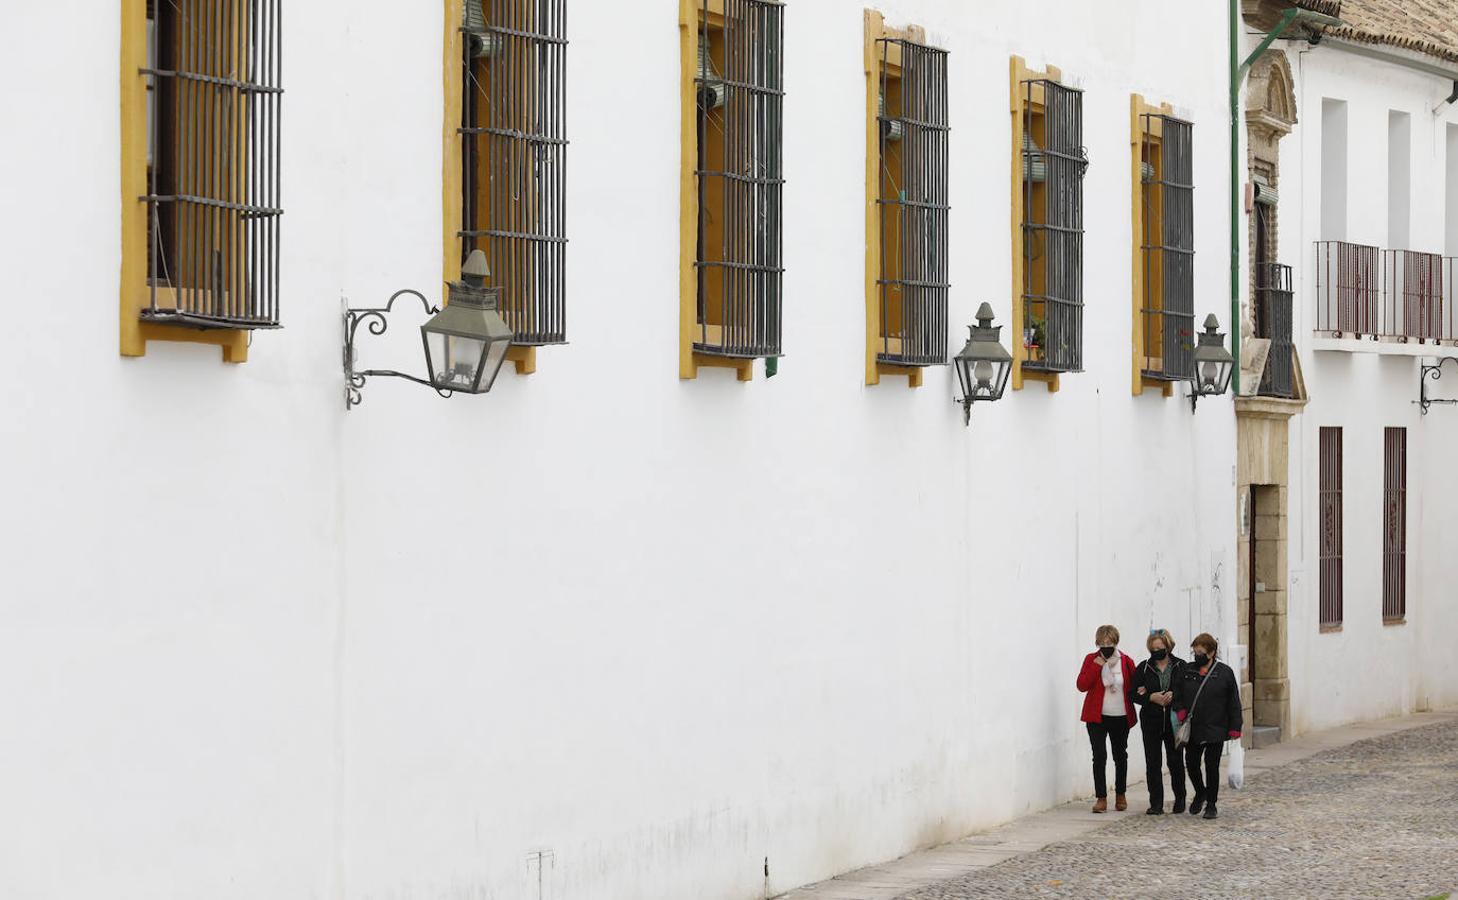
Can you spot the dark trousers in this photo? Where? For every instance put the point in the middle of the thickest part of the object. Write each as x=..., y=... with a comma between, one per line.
x=1116, y=728
x=1153, y=771
x=1207, y=786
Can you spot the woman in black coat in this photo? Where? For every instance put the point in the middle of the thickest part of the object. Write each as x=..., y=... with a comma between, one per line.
x=1154, y=682
x=1213, y=712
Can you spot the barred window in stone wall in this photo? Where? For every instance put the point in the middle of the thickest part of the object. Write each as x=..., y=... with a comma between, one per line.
x=1054, y=162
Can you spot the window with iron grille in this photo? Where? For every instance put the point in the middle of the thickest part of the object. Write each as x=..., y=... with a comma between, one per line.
x=1167, y=247
x=738, y=173
x=1054, y=161
x=912, y=204
x=1394, y=524
x=513, y=159
x=1329, y=550
x=213, y=175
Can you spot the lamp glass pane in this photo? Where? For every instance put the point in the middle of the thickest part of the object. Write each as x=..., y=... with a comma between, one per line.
x=454, y=360
x=495, y=355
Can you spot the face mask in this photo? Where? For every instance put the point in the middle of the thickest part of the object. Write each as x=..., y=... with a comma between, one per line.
x=1159, y=654
x=1106, y=651
x=1200, y=659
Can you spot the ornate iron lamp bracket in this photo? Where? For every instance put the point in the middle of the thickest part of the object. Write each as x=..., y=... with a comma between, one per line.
x=375, y=322
x=1432, y=372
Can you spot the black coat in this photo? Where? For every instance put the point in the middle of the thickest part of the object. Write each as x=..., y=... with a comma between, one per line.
x=1218, y=712
x=1153, y=718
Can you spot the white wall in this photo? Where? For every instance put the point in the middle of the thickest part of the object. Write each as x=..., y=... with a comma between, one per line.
x=1363, y=393
x=662, y=629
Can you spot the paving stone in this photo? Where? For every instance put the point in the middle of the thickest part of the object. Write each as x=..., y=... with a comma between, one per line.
x=1376, y=818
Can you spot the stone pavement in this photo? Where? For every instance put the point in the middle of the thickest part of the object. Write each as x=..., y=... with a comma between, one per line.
x=1368, y=810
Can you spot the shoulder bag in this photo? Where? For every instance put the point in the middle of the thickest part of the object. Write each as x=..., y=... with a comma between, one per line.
x=1182, y=734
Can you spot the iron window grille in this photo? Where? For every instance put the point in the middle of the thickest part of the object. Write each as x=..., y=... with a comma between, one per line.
x=1274, y=301
x=1168, y=246
x=213, y=78
x=1054, y=162
x=1347, y=297
x=1329, y=552
x=1394, y=524
x=913, y=205
x=514, y=148
x=740, y=174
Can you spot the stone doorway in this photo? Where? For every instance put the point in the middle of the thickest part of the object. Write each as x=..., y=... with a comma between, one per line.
x=1264, y=632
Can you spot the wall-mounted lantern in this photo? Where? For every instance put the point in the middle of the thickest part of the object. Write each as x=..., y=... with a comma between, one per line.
x=465, y=344
x=1210, y=375
x=983, y=364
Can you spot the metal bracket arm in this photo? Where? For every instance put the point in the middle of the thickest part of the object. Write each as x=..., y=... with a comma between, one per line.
x=377, y=324
x=1432, y=373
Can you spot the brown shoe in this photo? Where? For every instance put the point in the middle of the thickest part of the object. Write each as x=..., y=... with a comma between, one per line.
x=1120, y=803
x=1101, y=805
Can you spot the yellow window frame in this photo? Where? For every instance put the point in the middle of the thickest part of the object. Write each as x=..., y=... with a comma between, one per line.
x=1143, y=146
x=523, y=359
x=133, y=291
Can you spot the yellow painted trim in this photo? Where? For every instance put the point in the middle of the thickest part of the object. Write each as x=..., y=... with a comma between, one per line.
x=1136, y=225
x=450, y=177
x=874, y=27
x=875, y=30
x=688, y=195
x=133, y=293
x=744, y=368
x=1137, y=108
x=1018, y=72
x=524, y=358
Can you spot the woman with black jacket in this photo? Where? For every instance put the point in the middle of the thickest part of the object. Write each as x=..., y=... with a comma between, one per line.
x=1154, y=683
x=1207, y=696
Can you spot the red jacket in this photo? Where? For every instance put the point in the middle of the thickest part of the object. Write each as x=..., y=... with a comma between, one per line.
x=1091, y=682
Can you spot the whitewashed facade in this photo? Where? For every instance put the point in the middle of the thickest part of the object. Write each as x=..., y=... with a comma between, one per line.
x=1372, y=159
x=604, y=632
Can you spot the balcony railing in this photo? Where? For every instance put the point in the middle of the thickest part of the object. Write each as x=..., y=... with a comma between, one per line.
x=1273, y=321
x=1347, y=279
x=1412, y=295
x=1404, y=296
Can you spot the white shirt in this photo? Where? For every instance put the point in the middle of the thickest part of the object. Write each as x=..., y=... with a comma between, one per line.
x=1114, y=687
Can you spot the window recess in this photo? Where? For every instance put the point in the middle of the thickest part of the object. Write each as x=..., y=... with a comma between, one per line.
x=731, y=270
x=906, y=184
x=1164, y=248
x=511, y=64
x=201, y=93
x=1049, y=161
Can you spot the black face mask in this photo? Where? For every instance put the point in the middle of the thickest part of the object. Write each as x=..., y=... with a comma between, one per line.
x=1200, y=659
x=1159, y=654
x=1106, y=652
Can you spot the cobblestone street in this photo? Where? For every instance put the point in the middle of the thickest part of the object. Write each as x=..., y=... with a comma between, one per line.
x=1377, y=818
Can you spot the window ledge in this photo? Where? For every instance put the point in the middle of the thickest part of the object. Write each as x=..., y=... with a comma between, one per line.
x=1325, y=342
x=1394, y=620
x=1331, y=629
x=1267, y=407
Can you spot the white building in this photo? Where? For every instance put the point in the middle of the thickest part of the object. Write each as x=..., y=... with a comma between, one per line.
x=610, y=630
x=1352, y=207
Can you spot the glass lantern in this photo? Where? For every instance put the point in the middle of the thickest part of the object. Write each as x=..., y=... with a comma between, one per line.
x=466, y=343
x=1213, y=364
x=983, y=365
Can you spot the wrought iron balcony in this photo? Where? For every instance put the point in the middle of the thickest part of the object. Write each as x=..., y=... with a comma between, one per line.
x=1273, y=322
x=1402, y=296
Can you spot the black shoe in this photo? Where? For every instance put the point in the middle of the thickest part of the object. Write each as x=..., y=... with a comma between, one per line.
x=1210, y=812
x=1197, y=804
x=1179, y=806
x=1154, y=811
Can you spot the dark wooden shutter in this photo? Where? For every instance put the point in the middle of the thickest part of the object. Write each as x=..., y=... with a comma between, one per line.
x=1394, y=524
x=1329, y=554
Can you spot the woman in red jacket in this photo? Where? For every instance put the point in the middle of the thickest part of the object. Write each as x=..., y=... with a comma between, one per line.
x=1106, y=679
